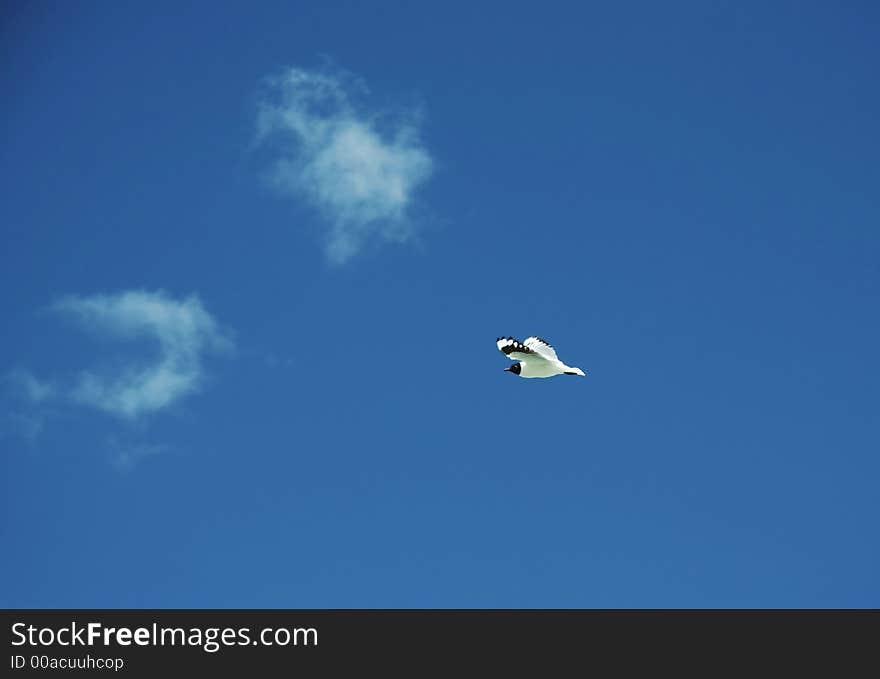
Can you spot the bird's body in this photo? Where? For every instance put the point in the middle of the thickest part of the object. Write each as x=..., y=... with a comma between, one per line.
x=535, y=358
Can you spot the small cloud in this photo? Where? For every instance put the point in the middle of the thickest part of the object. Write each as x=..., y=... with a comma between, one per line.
x=182, y=334
x=27, y=417
x=29, y=387
x=24, y=425
x=360, y=177
x=124, y=456
x=275, y=361
x=183, y=330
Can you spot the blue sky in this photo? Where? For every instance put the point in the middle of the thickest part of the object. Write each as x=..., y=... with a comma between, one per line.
x=255, y=259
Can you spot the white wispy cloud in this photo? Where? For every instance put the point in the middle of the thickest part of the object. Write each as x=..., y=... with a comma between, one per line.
x=126, y=455
x=31, y=388
x=360, y=174
x=25, y=415
x=182, y=330
x=24, y=425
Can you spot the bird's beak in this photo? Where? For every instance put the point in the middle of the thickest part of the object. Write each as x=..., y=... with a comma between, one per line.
x=507, y=370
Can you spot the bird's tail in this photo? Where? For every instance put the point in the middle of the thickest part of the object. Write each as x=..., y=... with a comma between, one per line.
x=574, y=371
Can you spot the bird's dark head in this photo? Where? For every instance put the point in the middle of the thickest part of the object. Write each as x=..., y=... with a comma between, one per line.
x=515, y=369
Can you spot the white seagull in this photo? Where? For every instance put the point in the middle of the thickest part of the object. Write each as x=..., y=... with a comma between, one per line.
x=535, y=358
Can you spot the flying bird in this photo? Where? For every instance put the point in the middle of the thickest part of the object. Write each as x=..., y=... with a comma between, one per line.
x=534, y=358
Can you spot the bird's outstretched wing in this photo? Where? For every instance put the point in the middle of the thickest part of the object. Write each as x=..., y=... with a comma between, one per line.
x=542, y=347
x=515, y=350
